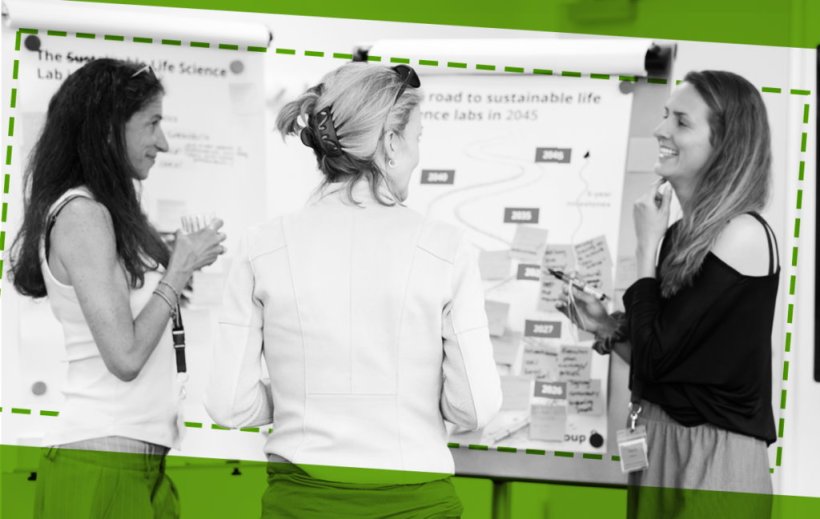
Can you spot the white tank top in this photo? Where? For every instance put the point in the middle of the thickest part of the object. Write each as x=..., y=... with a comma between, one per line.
x=97, y=403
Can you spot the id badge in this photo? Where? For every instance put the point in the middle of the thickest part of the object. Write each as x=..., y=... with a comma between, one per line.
x=632, y=448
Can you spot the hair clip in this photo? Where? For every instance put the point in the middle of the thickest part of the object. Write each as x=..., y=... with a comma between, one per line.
x=327, y=133
x=409, y=78
x=306, y=136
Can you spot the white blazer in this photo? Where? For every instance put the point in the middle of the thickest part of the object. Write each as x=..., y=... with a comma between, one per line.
x=371, y=322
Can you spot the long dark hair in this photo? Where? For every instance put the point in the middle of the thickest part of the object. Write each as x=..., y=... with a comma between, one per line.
x=83, y=144
x=735, y=180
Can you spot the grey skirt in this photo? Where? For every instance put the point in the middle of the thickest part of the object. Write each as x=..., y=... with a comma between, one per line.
x=700, y=471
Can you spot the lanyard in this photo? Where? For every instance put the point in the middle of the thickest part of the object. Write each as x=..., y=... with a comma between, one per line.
x=635, y=407
x=178, y=334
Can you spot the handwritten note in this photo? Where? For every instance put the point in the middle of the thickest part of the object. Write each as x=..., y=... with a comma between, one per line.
x=557, y=257
x=584, y=397
x=540, y=359
x=574, y=363
x=497, y=314
x=599, y=278
x=592, y=253
x=528, y=242
x=494, y=264
x=595, y=264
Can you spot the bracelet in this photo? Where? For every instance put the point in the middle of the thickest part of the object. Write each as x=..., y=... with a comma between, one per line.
x=174, y=290
x=621, y=332
x=604, y=345
x=168, y=302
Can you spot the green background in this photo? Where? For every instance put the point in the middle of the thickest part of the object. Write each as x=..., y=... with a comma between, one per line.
x=789, y=23
x=231, y=489
x=211, y=488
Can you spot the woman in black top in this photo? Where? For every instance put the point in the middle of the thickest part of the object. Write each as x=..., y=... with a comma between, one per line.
x=698, y=324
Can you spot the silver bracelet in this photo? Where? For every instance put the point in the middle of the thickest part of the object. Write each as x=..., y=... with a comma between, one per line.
x=174, y=290
x=171, y=306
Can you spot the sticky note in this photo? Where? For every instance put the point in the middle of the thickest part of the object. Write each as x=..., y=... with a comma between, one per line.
x=599, y=278
x=497, y=314
x=574, y=363
x=528, y=242
x=592, y=253
x=557, y=257
x=584, y=397
x=540, y=359
x=548, y=422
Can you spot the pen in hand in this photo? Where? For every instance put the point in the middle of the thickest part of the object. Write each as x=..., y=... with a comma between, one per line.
x=583, y=287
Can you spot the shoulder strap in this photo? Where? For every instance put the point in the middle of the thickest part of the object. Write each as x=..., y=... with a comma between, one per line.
x=771, y=240
x=55, y=212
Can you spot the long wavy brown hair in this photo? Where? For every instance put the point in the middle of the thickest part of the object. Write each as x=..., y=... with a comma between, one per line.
x=735, y=179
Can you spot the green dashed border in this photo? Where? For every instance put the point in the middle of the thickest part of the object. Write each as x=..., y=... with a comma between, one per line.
x=189, y=425
x=510, y=69
x=792, y=277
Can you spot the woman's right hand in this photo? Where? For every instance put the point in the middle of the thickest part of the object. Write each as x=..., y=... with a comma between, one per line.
x=586, y=312
x=195, y=250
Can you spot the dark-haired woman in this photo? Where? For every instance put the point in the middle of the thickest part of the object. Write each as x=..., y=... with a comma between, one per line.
x=370, y=319
x=699, y=324
x=113, y=285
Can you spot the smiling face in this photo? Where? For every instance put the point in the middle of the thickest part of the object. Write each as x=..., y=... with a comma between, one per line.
x=683, y=136
x=144, y=138
x=405, y=155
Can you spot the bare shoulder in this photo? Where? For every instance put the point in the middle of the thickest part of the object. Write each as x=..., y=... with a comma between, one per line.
x=744, y=245
x=83, y=229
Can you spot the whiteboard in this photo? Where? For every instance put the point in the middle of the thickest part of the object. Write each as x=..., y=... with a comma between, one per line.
x=533, y=187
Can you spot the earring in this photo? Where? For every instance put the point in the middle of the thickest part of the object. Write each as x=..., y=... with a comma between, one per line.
x=391, y=163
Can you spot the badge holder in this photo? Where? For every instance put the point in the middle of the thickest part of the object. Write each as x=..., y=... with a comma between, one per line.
x=632, y=446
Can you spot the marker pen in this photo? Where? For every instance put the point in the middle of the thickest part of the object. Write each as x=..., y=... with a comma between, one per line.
x=583, y=287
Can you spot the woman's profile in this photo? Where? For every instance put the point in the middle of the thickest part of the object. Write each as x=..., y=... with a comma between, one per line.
x=698, y=321
x=114, y=286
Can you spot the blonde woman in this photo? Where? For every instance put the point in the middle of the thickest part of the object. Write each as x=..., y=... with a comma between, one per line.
x=699, y=324
x=370, y=319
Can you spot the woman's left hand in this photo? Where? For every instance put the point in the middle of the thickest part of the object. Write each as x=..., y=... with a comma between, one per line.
x=651, y=219
x=585, y=311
